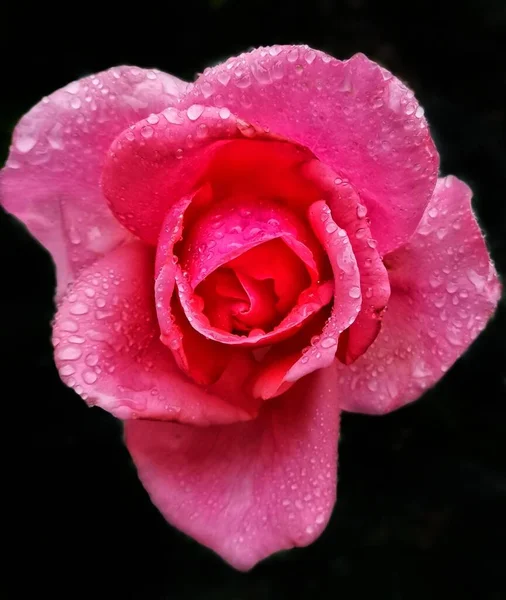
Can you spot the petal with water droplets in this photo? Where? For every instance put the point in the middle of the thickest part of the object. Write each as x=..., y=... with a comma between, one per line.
x=107, y=347
x=247, y=490
x=51, y=180
x=444, y=290
x=353, y=115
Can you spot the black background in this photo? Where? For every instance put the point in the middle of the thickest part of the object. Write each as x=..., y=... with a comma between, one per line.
x=422, y=492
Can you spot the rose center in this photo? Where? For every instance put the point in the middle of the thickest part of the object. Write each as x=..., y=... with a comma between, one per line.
x=254, y=291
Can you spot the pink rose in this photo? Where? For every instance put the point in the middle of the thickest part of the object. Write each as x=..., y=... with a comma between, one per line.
x=239, y=259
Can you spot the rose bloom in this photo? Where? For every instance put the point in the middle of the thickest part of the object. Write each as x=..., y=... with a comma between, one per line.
x=238, y=260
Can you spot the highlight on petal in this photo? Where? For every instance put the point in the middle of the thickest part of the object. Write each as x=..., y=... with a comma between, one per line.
x=444, y=290
x=353, y=115
x=247, y=490
x=52, y=176
x=107, y=347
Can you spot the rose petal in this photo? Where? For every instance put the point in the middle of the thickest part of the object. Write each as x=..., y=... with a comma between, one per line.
x=315, y=346
x=444, y=290
x=310, y=301
x=107, y=347
x=51, y=179
x=234, y=226
x=347, y=293
x=163, y=159
x=247, y=491
x=348, y=213
x=266, y=169
x=353, y=115
x=269, y=379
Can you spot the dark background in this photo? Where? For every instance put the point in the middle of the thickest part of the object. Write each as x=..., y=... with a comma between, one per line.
x=422, y=492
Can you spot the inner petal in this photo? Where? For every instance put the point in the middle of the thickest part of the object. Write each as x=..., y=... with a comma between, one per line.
x=254, y=291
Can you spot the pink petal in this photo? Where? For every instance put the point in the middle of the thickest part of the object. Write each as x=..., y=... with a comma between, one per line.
x=51, y=179
x=204, y=359
x=347, y=293
x=444, y=289
x=353, y=115
x=107, y=347
x=349, y=214
x=310, y=302
x=269, y=379
x=315, y=346
x=162, y=159
x=247, y=491
x=240, y=223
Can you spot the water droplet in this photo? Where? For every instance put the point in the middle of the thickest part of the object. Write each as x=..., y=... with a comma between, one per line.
x=206, y=88
x=76, y=339
x=433, y=212
x=354, y=292
x=25, y=142
x=153, y=119
x=360, y=233
x=224, y=113
x=293, y=55
x=68, y=353
x=91, y=359
x=419, y=112
x=73, y=88
x=75, y=102
x=69, y=326
x=331, y=227
x=451, y=287
x=361, y=211
x=320, y=519
x=328, y=342
x=173, y=116
x=89, y=376
x=146, y=131
x=79, y=308
x=310, y=56
x=179, y=153
x=372, y=243
x=67, y=370
x=372, y=385
x=477, y=280
x=194, y=111
x=223, y=78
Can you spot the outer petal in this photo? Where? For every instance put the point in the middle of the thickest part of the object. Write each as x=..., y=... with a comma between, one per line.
x=353, y=115
x=107, y=346
x=444, y=290
x=247, y=491
x=51, y=179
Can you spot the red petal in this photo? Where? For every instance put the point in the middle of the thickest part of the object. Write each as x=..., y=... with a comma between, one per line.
x=162, y=159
